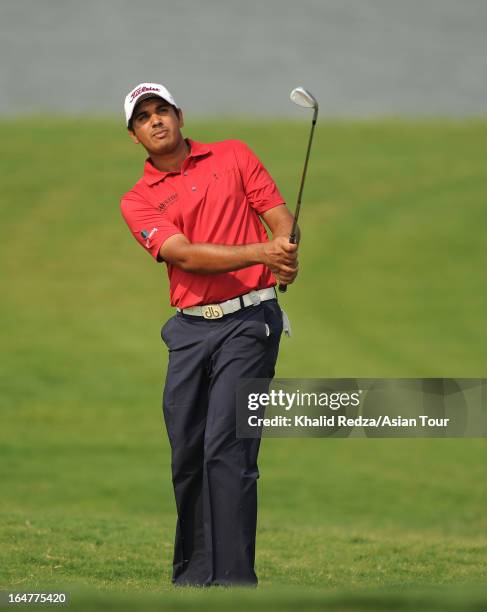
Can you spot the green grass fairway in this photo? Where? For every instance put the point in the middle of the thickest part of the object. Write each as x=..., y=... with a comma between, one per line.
x=392, y=284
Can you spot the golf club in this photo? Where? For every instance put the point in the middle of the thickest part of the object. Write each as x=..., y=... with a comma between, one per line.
x=302, y=97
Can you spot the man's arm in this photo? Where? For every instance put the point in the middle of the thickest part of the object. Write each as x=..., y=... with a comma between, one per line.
x=205, y=258
x=280, y=221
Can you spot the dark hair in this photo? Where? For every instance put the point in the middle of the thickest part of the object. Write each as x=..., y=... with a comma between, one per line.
x=131, y=120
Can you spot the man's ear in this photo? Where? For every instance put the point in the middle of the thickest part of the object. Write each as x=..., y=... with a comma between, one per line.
x=133, y=137
x=181, y=118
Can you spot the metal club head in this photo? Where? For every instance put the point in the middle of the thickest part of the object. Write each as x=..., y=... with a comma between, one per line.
x=303, y=97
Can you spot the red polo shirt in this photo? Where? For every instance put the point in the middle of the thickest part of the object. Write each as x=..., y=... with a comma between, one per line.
x=217, y=198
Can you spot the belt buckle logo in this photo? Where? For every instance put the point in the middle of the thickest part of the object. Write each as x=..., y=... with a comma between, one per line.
x=212, y=311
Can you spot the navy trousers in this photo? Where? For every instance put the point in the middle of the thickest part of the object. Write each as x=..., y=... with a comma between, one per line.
x=214, y=474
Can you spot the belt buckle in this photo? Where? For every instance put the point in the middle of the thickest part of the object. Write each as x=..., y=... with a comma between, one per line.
x=212, y=311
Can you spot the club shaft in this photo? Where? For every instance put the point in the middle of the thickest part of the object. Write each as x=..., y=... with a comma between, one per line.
x=303, y=176
x=292, y=237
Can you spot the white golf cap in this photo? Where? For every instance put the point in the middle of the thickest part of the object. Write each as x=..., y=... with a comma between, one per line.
x=143, y=91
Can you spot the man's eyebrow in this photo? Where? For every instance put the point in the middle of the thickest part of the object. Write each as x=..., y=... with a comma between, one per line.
x=144, y=110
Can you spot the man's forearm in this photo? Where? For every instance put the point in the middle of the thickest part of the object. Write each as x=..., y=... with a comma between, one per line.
x=285, y=230
x=206, y=258
x=218, y=258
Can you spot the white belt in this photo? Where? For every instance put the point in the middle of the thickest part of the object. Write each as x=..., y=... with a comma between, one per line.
x=216, y=311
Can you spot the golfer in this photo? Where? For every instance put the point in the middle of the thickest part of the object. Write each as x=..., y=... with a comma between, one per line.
x=200, y=208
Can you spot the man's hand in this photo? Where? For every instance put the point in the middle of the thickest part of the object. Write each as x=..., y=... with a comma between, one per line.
x=282, y=258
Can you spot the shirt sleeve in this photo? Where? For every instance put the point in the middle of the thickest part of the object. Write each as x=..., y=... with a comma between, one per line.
x=149, y=227
x=261, y=191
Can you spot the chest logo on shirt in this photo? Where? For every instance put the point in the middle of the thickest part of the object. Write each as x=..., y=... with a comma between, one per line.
x=163, y=206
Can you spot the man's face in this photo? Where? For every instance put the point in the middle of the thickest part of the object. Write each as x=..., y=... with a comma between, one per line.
x=157, y=126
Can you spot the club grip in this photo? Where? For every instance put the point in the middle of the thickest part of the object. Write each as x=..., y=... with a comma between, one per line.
x=282, y=287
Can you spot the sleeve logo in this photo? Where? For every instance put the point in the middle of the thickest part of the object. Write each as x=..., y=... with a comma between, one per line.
x=148, y=236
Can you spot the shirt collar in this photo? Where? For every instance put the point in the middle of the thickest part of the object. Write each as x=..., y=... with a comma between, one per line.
x=152, y=175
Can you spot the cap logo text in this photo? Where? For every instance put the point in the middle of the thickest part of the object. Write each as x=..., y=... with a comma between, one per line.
x=141, y=90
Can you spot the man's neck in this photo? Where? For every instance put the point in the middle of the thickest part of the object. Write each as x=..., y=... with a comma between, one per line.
x=171, y=162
